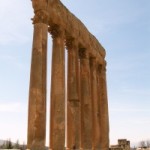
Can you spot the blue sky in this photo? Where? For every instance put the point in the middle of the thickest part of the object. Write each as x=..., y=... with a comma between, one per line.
x=122, y=27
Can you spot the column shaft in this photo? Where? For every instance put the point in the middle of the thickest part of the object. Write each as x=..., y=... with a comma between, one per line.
x=95, y=114
x=73, y=104
x=86, y=112
x=37, y=92
x=103, y=107
x=57, y=116
x=72, y=71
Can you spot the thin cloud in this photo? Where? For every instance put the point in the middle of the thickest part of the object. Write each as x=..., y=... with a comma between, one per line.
x=127, y=63
x=15, y=61
x=11, y=107
x=10, y=37
x=144, y=92
x=128, y=110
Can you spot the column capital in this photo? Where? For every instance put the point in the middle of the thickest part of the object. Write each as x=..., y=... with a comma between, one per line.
x=83, y=53
x=40, y=16
x=70, y=43
x=101, y=68
x=56, y=31
x=93, y=63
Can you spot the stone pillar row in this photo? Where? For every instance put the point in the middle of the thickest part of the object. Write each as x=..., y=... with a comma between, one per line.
x=87, y=106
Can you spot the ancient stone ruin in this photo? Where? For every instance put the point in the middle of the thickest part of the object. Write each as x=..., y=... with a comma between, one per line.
x=87, y=107
x=123, y=144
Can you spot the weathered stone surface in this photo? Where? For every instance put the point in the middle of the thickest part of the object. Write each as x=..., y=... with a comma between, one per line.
x=59, y=14
x=95, y=112
x=86, y=108
x=73, y=125
x=123, y=144
x=72, y=48
x=73, y=103
x=37, y=95
x=103, y=107
x=57, y=105
x=39, y=5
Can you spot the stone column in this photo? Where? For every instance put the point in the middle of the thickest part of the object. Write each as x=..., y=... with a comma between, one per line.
x=86, y=112
x=57, y=104
x=103, y=107
x=73, y=104
x=95, y=113
x=37, y=92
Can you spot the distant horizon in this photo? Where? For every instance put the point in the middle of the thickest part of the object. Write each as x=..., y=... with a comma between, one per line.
x=132, y=144
x=137, y=144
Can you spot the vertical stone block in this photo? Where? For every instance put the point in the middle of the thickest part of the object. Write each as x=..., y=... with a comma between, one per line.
x=86, y=108
x=57, y=104
x=103, y=107
x=95, y=113
x=73, y=103
x=37, y=92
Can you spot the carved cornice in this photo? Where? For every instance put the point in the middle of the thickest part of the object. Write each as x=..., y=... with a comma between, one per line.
x=39, y=5
x=56, y=31
x=40, y=16
x=83, y=54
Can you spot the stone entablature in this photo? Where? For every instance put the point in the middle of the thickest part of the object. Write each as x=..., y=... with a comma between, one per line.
x=59, y=14
x=55, y=13
x=87, y=105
